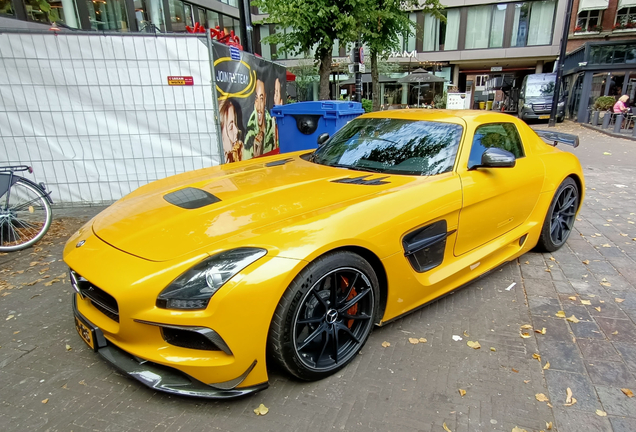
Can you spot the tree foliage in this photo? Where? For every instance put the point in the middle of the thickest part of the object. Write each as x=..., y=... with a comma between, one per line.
x=303, y=25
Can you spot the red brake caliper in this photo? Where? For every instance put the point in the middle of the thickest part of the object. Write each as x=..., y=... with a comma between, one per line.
x=353, y=309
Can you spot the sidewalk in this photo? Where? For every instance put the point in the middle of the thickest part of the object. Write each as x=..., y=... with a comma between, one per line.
x=50, y=381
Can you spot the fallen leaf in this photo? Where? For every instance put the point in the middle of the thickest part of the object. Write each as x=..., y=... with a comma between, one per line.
x=446, y=428
x=492, y=349
x=548, y=426
x=573, y=319
x=628, y=392
x=541, y=397
x=528, y=262
x=473, y=345
x=573, y=298
x=619, y=300
x=414, y=341
x=560, y=314
x=457, y=338
x=606, y=284
x=607, y=245
x=607, y=153
x=586, y=302
x=466, y=334
x=615, y=332
x=536, y=356
x=598, y=308
x=526, y=381
x=601, y=413
x=552, y=259
x=547, y=366
x=45, y=400
x=586, y=262
x=33, y=263
x=68, y=347
x=569, y=400
x=526, y=326
x=462, y=392
x=518, y=429
x=261, y=410
x=422, y=340
x=514, y=370
x=9, y=317
x=386, y=344
x=524, y=335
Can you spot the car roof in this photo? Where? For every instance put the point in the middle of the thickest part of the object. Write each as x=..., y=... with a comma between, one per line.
x=453, y=116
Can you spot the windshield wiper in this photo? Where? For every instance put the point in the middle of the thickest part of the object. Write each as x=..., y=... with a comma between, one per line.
x=357, y=168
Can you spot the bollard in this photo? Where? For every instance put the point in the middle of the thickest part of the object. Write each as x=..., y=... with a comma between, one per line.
x=618, y=122
x=595, y=118
x=634, y=130
x=606, y=120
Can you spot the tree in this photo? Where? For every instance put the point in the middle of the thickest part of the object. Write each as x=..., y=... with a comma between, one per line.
x=306, y=74
x=381, y=22
x=312, y=24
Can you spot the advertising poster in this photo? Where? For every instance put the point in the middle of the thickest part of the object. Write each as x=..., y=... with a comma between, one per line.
x=247, y=88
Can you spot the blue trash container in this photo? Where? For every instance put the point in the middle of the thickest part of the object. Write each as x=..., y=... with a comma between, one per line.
x=301, y=123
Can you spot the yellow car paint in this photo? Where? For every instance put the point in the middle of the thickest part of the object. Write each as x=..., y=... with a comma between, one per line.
x=139, y=245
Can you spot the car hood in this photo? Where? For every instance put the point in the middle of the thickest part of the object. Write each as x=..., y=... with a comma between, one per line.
x=248, y=195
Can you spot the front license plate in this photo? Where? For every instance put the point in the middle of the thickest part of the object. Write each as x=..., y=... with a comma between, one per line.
x=543, y=117
x=85, y=333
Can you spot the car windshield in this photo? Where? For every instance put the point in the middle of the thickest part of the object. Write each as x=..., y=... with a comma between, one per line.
x=392, y=146
x=541, y=88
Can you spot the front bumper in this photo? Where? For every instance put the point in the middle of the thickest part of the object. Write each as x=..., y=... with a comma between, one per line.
x=163, y=378
x=530, y=114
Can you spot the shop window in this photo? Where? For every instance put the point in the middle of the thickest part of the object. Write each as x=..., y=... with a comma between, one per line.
x=625, y=18
x=520, y=24
x=497, y=26
x=478, y=26
x=589, y=21
x=149, y=15
x=60, y=11
x=541, y=22
x=213, y=19
x=201, y=17
x=177, y=15
x=6, y=8
x=108, y=15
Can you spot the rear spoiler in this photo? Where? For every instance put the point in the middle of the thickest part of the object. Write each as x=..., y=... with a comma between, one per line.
x=554, y=138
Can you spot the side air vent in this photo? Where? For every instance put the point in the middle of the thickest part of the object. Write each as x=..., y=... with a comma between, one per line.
x=363, y=180
x=190, y=198
x=278, y=162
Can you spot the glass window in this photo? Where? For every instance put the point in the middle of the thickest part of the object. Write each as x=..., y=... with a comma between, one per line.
x=177, y=15
x=6, y=7
x=625, y=18
x=410, y=40
x=499, y=135
x=149, y=15
x=187, y=14
x=34, y=12
x=541, y=19
x=520, y=24
x=213, y=19
x=107, y=15
x=393, y=146
x=478, y=26
x=266, y=48
x=430, y=41
x=335, y=52
x=497, y=26
x=449, y=40
x=589, y=21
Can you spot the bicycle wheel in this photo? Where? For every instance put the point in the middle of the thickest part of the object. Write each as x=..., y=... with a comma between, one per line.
x=25, y=216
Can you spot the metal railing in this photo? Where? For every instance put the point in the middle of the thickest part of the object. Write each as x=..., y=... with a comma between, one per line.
x=613, y=122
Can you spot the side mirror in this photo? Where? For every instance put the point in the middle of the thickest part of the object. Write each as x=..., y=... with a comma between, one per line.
x=322, y=138
x=497, y=158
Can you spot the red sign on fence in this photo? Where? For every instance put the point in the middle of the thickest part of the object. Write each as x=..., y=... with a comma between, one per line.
x=180, y=80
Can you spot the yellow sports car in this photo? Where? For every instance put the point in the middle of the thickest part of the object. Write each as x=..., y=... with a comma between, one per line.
x=190, y=283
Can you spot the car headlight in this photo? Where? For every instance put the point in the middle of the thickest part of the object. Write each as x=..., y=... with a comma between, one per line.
x=527, y=105
x=561, y=104
x=194, y=288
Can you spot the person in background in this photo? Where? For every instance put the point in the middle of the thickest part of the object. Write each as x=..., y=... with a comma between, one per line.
x=620, y=107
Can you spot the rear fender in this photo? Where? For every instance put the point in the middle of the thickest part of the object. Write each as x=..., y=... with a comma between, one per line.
x=7, y=180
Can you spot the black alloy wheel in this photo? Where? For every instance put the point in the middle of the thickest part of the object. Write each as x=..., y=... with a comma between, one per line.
x=325, y=316
x=560, y=218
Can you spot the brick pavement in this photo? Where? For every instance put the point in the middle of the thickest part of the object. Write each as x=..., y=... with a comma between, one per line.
x=403, y=387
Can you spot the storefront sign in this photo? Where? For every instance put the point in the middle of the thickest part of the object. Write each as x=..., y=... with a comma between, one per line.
x=180, y=80
x=456, y=101
x=247, y=87
x=405, y=53
x=496, y=69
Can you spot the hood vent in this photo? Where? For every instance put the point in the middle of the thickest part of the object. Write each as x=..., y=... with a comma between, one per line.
x=278, y=162
x=190, y=198
x=363, y=180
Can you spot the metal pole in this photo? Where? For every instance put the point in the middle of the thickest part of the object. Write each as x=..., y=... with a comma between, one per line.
x=358, y=74
x=247, y=31
x=559, y=77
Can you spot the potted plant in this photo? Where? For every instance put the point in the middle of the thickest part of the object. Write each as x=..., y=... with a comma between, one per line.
x=602, y=105
x=595, y=28
x=578, y=29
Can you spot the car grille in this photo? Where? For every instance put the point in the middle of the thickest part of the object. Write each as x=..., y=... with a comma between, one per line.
x=542, y=107
x=103, y=302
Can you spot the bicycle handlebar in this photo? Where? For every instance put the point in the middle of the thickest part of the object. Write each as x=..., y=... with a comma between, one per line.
x=14, y=168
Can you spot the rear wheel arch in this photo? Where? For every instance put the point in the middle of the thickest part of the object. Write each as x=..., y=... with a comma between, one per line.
x=579, y=185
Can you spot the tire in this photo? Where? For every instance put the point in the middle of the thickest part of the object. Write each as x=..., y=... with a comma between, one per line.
x=25, y=216
x=308, y=336
x=560, y=217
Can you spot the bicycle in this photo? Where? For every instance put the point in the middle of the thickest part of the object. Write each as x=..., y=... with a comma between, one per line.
x=25, y=209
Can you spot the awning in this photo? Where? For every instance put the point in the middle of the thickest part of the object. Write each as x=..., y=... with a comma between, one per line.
x=626, y=3
x=589, y=5
x=290, y=76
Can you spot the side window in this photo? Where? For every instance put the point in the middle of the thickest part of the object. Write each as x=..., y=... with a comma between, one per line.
x=499, y=135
